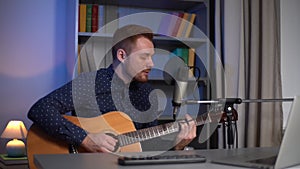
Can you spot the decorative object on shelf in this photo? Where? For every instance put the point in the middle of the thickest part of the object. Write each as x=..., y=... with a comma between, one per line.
x=15, y=130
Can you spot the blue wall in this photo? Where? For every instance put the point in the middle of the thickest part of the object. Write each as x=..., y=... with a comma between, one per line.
x=33, y=54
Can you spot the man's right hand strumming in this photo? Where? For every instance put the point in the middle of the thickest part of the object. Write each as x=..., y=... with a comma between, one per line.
x=99, y=142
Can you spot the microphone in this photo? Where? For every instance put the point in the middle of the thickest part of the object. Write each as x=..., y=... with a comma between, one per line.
x=179, y=92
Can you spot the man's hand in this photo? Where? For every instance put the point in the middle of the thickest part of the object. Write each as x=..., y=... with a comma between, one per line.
x=99, y=142
x=187, y=132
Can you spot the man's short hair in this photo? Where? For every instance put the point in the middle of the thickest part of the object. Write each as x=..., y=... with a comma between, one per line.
x=126, y=36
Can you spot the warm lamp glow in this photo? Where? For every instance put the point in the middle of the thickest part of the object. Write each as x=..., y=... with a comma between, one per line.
x=15, y=130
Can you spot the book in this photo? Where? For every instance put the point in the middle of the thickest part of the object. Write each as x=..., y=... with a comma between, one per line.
x=89, y=17
x=171, y=26
x=13, y=160
x=95, y=15
x=177, y=24
x=177, y=52
x=82, y=17
x=78, y=18
x=79, y=69
x=164, y=24
x=185, y=26
x=182, y=25
x=101, y=17
x=185, y=55
x=189, y=25
x=182, y=53
x=191, y=61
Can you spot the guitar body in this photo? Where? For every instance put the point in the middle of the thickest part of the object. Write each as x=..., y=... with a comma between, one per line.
x=38, y=142
x=117, y=123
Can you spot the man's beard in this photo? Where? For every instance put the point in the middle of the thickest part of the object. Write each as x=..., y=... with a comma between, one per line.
x=142, y=76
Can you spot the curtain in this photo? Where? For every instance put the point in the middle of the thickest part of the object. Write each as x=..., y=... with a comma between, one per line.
x=249, y=44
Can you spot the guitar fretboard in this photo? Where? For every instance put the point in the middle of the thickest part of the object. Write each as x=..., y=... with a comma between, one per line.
x=168, y=128
x=148, y=133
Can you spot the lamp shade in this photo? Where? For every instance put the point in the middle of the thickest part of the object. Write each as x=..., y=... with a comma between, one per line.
x=14, y=129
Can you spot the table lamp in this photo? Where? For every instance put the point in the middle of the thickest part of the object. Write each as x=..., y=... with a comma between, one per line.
x=15, y=130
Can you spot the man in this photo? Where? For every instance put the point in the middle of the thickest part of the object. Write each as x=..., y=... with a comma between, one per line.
x=120, y=87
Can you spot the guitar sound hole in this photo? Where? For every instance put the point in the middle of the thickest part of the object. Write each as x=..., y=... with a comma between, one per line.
x=117, y=144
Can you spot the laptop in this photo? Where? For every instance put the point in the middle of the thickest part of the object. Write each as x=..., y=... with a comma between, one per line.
x=289, y=151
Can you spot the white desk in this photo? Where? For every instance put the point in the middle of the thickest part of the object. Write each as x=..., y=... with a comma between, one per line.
x=109, y=161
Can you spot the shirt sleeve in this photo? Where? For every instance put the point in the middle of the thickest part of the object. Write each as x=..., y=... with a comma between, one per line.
x=47, y=111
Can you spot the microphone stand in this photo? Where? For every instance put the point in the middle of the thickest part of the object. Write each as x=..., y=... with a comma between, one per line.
x=231, y=116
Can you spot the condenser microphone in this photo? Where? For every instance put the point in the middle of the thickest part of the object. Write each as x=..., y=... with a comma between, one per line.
x=180, y=88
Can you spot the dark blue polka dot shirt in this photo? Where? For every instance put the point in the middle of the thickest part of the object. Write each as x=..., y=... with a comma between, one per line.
x=92, y=94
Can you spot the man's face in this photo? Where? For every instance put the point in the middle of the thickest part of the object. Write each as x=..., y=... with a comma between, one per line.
x=139, y=63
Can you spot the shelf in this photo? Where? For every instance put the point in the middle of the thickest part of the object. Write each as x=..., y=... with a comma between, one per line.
x=156, y=4
x=95, y=34
x=161, y=40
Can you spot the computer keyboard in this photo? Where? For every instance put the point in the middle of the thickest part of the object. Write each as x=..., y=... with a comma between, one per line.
x=161, y=159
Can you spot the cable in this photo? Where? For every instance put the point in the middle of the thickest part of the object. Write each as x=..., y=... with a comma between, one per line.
x=237, y=138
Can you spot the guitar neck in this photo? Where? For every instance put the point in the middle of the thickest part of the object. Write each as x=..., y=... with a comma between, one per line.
x=148, y=133
x=162, y=130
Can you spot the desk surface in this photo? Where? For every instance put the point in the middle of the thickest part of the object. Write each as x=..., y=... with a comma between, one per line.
x=109, y=161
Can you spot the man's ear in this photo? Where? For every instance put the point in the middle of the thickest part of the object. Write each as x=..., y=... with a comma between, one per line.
x=121, y=55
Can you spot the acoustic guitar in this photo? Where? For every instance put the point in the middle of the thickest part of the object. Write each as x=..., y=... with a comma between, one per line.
x=116, y=124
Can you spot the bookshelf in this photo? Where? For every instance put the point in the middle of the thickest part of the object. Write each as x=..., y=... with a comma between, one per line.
x=131, y=11
x=124, y=11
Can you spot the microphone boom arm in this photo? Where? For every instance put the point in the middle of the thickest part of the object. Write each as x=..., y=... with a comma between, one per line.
x=237, y=101
x=230, y=116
